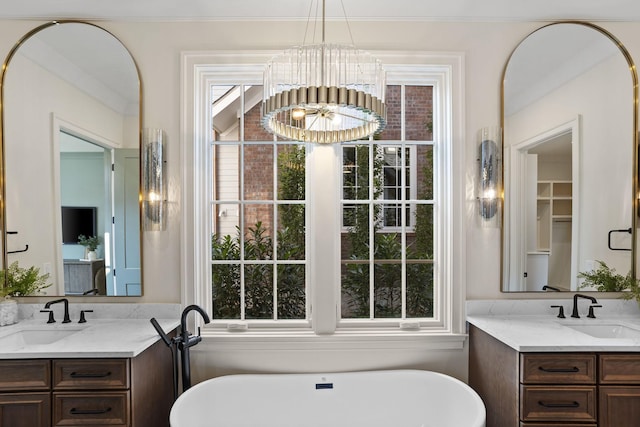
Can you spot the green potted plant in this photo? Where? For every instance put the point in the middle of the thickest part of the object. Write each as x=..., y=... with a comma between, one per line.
x=605, y=279
x=91, y=243
x=16, y=281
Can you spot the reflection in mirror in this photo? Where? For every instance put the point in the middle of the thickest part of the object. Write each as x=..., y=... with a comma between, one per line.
x=569, y=136
x=71, y=126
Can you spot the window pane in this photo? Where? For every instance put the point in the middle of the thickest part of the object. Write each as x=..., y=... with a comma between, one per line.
x=226, y=103
x=258, y=171
x=226, y=172
x=388, y=246
x=258, y=235
x=291, y=172
x=258, y=291
x=355, y=242
x=253, y=130
x=392, y=215
x=419, y=290
x=355, y=291
x=418, y=113
x=396, y=161
x=424, y=158
x=355, y=172
x=291, y=291
x=388, y=290
x=225, y=220
x=291, y=232
x=392, y=131
x=226, y=291
x=420, y=243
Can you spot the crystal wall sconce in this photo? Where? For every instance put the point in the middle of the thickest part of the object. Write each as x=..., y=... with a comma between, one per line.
x=154, y=180
x=489, y=186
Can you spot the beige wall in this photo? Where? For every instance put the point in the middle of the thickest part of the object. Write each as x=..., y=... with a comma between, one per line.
x=157, y=47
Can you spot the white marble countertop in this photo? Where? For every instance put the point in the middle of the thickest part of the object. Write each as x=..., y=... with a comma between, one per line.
x=517, y=326
x=121, y=338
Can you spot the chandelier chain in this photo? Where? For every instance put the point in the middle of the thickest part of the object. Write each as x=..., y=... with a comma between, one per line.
x=346, y=20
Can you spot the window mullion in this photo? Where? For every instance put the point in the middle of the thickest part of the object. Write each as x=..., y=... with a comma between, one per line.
x=372, y=234
x=403, y=228
x=323, y=202
x=275, y=231
x=403, y=219
x=241, y=239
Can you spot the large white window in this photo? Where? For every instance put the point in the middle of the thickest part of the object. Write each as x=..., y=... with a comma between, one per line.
x=323, y=239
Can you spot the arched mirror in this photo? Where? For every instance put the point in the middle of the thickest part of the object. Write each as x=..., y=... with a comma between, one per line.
x=70, y=139
x=570, y=137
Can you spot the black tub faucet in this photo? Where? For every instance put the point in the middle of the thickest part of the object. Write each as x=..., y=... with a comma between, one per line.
x=186, y=341
x=574, y=312
x=66, y=308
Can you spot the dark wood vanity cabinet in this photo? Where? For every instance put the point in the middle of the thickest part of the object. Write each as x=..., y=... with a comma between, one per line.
x=619, y=390
x=554, y=389
x=122, y=392
x=25, y=397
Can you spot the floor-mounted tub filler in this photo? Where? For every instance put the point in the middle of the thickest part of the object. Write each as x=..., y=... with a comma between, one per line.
x=393, y=398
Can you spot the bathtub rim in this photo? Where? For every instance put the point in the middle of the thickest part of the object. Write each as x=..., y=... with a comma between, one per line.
x=477, y=400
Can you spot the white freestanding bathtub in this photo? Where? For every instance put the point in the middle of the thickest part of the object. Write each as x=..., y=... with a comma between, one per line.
x=396, y=398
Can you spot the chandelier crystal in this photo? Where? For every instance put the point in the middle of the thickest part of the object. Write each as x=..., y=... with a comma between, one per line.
x=324, y=93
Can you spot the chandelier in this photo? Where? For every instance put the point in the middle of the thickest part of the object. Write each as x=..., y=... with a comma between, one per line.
x=324, y=93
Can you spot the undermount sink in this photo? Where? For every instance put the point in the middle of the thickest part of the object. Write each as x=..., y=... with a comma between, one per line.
x=607, y=331
x=29, y=337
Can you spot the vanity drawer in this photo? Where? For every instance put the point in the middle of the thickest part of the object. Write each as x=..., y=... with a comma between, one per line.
x=555, y=425
x=619, y=369
x=79, y=374
x=556, y=404
x=16, y=375
x=97, y=408
x=558, y=368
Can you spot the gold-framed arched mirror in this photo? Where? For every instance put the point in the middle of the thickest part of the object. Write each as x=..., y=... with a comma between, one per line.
x=71, y=103
x=570, y=158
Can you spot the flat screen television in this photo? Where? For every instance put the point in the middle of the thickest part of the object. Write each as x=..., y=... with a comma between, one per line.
x=76, y=221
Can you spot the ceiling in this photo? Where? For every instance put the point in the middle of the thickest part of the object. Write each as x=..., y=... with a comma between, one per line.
x=432, y=10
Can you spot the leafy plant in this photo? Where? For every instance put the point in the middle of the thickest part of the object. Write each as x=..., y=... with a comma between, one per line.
x=605, y=279
x=633, y=291
x=20, y=282
x=91, y=243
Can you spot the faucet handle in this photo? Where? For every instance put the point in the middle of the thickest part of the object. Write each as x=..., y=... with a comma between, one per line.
x=51, y=318
x=560, y=311
x=591, y=315
x=82, y=318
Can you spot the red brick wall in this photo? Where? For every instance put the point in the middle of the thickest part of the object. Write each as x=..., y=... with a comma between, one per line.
x=418, y=114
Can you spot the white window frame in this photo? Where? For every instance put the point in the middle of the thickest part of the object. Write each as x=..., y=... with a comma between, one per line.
x=199, y=70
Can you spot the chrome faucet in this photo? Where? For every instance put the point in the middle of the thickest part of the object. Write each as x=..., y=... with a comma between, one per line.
x=66, y=308
x=574, y=312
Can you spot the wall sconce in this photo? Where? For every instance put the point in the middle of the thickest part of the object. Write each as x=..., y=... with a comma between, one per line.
x=489, y=191
x=154, y=180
